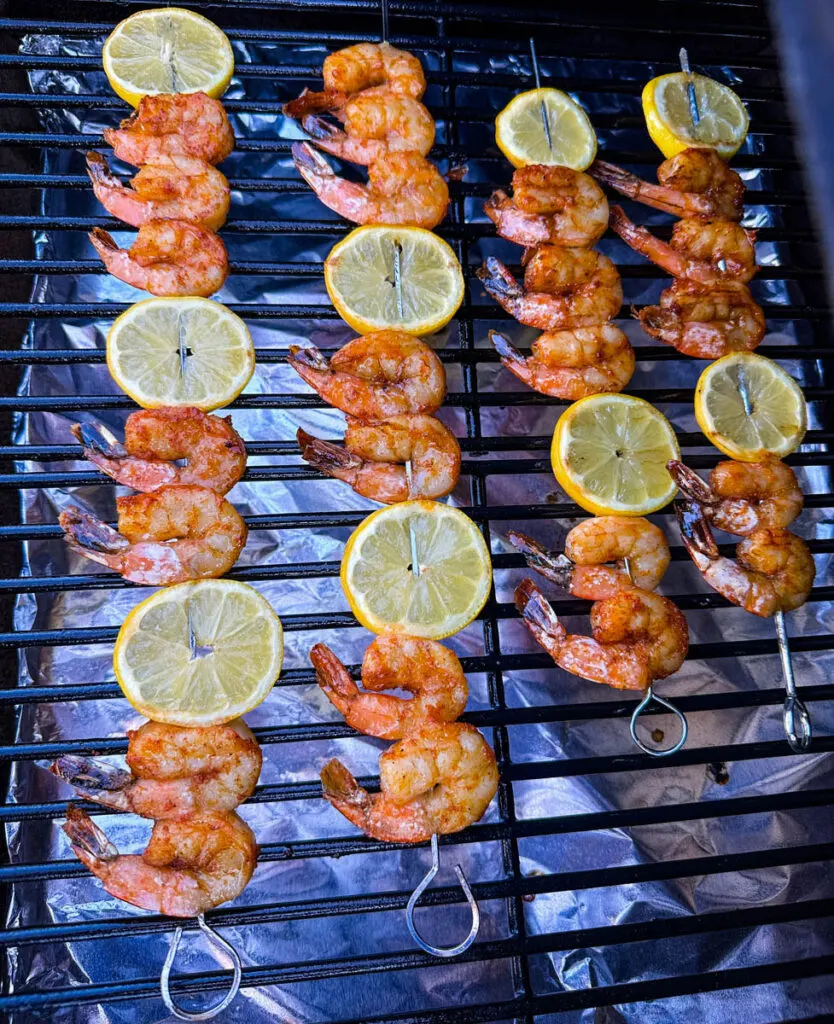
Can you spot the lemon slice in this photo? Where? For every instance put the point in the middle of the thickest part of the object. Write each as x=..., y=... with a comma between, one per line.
x=769, y=424
x=722, y=123
x=180, y=351
x=230, y=667
x=372, y=293
x=521, y=135
x=455, y=571
x=609, y=453
x=167, y=49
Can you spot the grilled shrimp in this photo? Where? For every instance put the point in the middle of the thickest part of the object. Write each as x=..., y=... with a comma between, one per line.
x=372, y=459
x=403, y=188
x=693, y=183
x=571, y=364
x=168, y=257
x=637, y=637
x=706, y=251
x=178, y=124
x=562, y=288
x=439, y=778
x=550, y=204
x=174, y=772
x=426, y=669
x=188, y=866
x=773, y=571
x=168, y=188
x=214, y=452
x=386, y=373
x=742, y=497
x=706, y=321
x=176, y=534
x=586, y=569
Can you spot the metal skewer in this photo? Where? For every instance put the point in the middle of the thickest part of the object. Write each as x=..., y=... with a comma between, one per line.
x=694, y=113
x=383, y=4
x=398, y=281
x=220, y=944
x=545, y=118
x=442, y=951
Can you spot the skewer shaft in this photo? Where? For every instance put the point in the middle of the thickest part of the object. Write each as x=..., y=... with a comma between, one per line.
x=398, y=280
x=694, y=113
x=415, y=560
x=384, y=8
x=543, y=107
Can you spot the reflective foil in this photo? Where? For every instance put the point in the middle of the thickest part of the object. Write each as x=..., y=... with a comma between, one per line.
x=290, y=870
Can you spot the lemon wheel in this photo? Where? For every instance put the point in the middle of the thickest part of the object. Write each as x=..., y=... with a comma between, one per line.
x=722, y=123
x=521, y=136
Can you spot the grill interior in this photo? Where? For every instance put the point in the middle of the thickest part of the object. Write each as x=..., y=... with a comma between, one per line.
x=477, y=57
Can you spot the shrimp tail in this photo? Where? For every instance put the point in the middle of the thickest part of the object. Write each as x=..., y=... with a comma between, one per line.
x=696, y=533
x=615, y=177
x=495, y=204
x=499, y=283
x=90, y=774
x=342, y=790
x=104, y=244
x=308, y=356
x=98, y=440
x=538, y=614
x=321, y=130
x=310, y=102
x=693, y=487
x=99, y=171
x=90, y=537
x=329, y=458
x=310, y=164
x=510, y=355
x=557, y=568
x=333, y=677
x=89, y=843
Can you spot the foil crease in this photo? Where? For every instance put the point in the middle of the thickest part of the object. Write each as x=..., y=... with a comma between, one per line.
x=284, y=877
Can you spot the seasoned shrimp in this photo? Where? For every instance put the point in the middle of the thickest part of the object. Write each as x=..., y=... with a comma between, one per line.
x=706, y=321
x=176, y=534
x=188, y=866
x=550, y=204
x=742, y=497
x=439, y=778
x=168, y=257
x=562, y=288
x=773, y=571
x=167, y=188
x=383, y=374
x=403, y=188
x=637, y=637
x=571, y=364
x=214, y=452
x=372, y=459
x=178, y=124
x=425, y=668
x=586, y=569
x=693, y=183
x=701, y=250
x=175, y=772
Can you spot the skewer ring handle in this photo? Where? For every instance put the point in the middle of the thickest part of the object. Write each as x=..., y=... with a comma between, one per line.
x=442, y=951
x=219, y=943
x=651, y=697
x=797, y=724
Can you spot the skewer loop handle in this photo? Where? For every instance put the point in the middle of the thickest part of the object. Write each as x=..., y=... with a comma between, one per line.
x=220, y=944
x=441, y=951
x=650, y=697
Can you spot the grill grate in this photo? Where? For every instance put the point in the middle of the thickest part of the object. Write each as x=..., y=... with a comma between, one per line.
x=456, y=35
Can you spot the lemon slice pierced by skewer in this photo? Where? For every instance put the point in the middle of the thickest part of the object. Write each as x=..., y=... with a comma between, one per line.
x=521, y=136
x=722, y=123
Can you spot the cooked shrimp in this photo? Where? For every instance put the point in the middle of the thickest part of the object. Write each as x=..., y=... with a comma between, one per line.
x=701, y=250
x=168, y=257
x=562, y=288
x=637, y=637
x=178, y=124
x=773, y=571
x=425, y=668
x=176, y=534
x=742, y=497
x=439, y=778
x=550, y=204
x=693, y=183
x=586, y=569
x=403, y=188
x=706, y=321
x=175, y=772
x=168, y=188
x=214, y=452
x=188, y=866
x=571, y=364
x=386, y=373
x=372, y=459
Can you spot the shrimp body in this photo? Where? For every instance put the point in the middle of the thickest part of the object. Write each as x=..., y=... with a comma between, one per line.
x=773, y=571
x=175, y=534
x=571, y=364
x=373, y=457
x=366, y=65
x=403, y=188
x=383, y=374
x=706, y=251
x=706, y=321
x=693, y=183
x=173, y=125
x=168, y=257
x=637, y=637
x=426, y=669
x=742, y=497
x=214, y=452
x=167, y=188
x=550, y=204
x=563, y=288
x=175, y=772
x=439, y=778
x=188, y=866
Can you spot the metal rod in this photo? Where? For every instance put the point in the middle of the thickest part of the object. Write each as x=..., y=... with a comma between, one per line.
x=545, y=118
x=383, y=4
x=182, y=346
x=225, y=949
x=795, y=717
x=398, y=280
x=690, y=88
x=443, y=951
x=415, y=560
